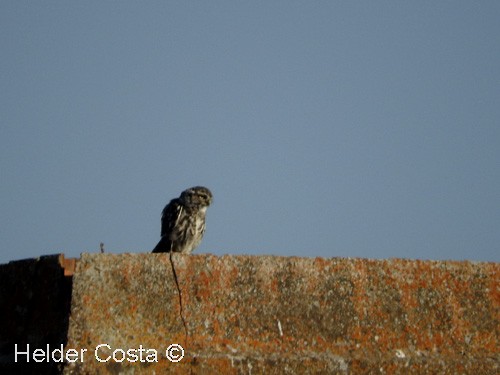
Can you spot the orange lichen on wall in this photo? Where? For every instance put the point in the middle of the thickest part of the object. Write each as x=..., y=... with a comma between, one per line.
x=262, y=314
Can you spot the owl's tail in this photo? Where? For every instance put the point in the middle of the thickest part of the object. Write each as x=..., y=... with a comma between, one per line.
x=164, y=246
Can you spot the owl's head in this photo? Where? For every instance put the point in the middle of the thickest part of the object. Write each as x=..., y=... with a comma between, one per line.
x=198, y=196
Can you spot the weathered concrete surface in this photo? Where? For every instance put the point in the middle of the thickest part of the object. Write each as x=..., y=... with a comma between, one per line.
x=265, y=314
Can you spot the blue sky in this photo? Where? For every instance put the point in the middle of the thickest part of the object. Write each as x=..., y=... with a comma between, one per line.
x=326, y=128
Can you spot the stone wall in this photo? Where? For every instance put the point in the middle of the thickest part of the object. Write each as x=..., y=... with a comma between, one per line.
x=259, y=314
x=35, y=298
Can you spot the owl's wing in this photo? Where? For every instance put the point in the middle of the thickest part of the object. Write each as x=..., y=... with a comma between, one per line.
x=169, y=217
